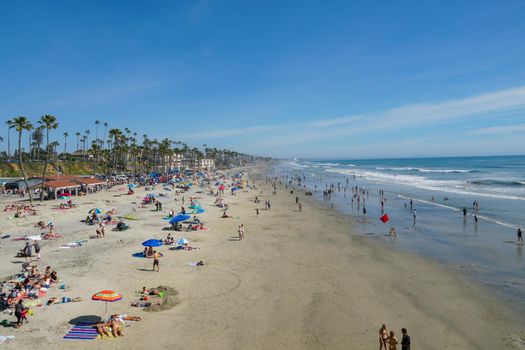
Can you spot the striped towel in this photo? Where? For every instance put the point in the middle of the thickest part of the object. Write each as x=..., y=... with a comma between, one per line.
x=82, y=331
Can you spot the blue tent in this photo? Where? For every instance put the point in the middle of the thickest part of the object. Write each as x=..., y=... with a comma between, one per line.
x=152, y=243
x=179, y=218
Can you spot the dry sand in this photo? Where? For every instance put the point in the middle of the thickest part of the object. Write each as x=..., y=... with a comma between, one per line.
x=300, y=280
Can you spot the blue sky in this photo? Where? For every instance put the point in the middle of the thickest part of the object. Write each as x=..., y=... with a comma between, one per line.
x=278, y=78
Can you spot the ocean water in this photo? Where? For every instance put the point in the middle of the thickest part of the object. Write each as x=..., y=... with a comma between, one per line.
x=439, y=188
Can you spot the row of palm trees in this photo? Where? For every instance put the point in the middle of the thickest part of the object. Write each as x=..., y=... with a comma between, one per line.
x=115, y=152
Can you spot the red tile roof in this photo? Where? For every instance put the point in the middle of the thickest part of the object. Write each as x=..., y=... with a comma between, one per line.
x=60, y=184
x=90, y=181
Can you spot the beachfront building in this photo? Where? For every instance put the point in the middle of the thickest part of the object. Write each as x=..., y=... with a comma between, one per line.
x=194, y=164
x=91, y=185
x=207, y=164
x=175, y=163
x=71, y=184
x=189, y=164
x=19, y=184
x=54, y=188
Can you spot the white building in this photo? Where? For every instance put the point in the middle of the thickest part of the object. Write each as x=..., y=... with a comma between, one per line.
x=207, y=164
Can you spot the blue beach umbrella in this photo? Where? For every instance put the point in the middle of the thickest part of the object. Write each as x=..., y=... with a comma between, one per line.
x=152, y=243
x=179, y=218
x=182, y=241
x=198, y=211
x=95, y=210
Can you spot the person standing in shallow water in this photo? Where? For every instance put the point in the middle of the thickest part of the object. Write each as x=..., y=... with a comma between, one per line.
x=520, y=235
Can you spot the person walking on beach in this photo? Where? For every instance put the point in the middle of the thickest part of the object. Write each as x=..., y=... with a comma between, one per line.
x=383, y=337
x=241, y=232
x=27, y=251
x=464, y=214
x=415, y=215
x=300, y=206
x=405, y=341
x=37, y=250
x=520, y=235
x=19, y=310
x=156, y=258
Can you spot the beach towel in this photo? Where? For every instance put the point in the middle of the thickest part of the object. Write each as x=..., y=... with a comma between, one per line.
x=73, y=244
x=4, y=338
x=82, y=331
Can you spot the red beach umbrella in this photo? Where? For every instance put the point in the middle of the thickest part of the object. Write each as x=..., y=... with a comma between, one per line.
x=384, y=218
x=109, y=296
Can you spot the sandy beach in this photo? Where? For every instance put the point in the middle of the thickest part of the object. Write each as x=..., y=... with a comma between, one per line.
x=299, y=280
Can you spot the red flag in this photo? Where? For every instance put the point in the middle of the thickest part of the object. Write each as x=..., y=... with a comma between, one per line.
x=384, y=218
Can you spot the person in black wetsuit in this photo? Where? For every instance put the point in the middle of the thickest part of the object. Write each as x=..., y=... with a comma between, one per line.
x=405, y=341
x=520, y=235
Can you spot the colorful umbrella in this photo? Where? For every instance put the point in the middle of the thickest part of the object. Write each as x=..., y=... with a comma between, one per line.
x=63, y=197
x=95, y=210
x=197, y=211
x=107, y=296
x=65, y=194
x=179, y=218
x=152, y=243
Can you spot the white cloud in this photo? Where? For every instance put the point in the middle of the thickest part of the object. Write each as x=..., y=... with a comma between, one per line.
x=427, y=115
x=500, y=129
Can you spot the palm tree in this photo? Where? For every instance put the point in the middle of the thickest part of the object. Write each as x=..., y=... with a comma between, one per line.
x=116, y=135
x=29, y=146
x=38, y=138
x=65, y=142
x=94, y=151
x=84, y=146
x=20, y=124
x=48, y=122
x=53, y=149
x=97, y=122
x=10, y=125
x=77, y=135
x=86, y=140
x=105, y=130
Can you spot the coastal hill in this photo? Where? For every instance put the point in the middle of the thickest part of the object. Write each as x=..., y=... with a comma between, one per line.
x=74, y=167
